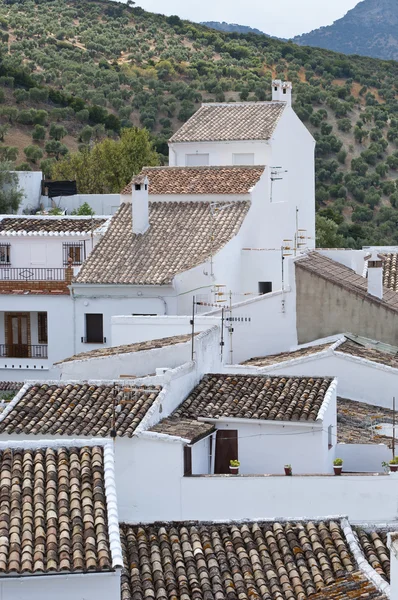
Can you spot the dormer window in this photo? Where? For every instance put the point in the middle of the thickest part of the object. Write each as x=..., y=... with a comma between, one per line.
x=5, y=254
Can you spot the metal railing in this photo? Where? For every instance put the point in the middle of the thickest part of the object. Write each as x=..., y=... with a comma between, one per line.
x=31, y=274
x=23, y=351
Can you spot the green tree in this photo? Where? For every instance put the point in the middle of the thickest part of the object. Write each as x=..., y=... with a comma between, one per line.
x=110, y=165
x=8, y=153
x=57, y=132
x=327, y=235
x=3, y=131
x=10, y=194
x=56, y=149
x=83, y=210
x=38, y=133
x=33, y=153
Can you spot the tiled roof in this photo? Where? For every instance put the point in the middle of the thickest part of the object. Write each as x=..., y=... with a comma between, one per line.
x=369, y=352
x=390, y=271
x=234, y=121
x=178, y=239
x=344, y=277
x=255, y=397
x=22, y=225
x=374, y=546
x=357, y=423
x=272, y=359
x=77, y=409
x=188, y=429
x=53, y=511
x=6, y=386
x=354, y=586
x=129, y=348
x=264, y=560
x=199, y=180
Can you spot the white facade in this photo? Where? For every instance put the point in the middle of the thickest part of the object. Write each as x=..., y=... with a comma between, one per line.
x=29, y=182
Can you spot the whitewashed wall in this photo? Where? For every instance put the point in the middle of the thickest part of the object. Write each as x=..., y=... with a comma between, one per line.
x=220, y=153
x=201, y=463
x=88, y=586
x=29, y=182
x=101, y=204
x=363, y=458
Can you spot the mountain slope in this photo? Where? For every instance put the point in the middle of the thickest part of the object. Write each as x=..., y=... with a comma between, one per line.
x=231, y=27
x=369, y=29
x=75, y=71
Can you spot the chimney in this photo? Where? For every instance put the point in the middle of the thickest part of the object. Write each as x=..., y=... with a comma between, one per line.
x=282, y=91
x=140, y=203
x=392, y=543
x=375, y=274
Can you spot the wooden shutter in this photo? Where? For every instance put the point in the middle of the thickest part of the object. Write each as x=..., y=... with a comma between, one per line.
x=42, y=327
x=226, y=450
x=187, y=461
x=94, y=328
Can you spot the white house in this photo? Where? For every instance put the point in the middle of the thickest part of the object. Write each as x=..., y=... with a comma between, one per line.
x=59, y=521
x=38, y=258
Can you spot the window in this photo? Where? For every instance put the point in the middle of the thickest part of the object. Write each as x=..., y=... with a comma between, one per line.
x=94, y=329
x=284, y=90
x=74, y=253
x=197, y=160
x=42, y=335
x=5, y=254
x=330, y=436
x=264, y=287
x=243, y=159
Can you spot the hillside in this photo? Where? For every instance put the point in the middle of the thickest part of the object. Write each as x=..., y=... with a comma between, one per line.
x=369, y=29
x=231, y=27
x=75, y=71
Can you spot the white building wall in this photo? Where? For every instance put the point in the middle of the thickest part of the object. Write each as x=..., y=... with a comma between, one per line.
x=201, y=457
x=60, y=335
x=220, y=153
x=88, y=586
x=29, y=182
x=363, y=458
x=101, y=204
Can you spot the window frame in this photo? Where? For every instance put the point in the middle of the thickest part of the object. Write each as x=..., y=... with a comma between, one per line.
x=5, y=250
x=69, y=249
x=42, y=327
x=94, y=337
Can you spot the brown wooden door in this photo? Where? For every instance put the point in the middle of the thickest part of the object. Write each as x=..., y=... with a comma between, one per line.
x=18, y=335
x=226, y=450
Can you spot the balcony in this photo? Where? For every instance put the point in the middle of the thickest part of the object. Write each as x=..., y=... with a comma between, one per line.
x=23, y=351
x=30, y=274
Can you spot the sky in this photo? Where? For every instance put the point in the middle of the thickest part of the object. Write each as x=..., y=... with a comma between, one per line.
x=281, y=18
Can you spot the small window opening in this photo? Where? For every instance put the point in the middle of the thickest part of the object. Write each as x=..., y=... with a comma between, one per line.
x=42, y=327
x=137, y=187
x=94, y=328
x=330, y=436
x=275, y=89
x=146, y=187
x=284, y=90
x=264, y=287
x=187, y=461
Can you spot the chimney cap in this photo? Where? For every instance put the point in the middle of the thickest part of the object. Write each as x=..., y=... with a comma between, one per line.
x=139, y=179
x=374, y=256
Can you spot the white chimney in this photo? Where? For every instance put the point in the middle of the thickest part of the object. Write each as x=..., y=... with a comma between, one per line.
x=392, y=543
x=282, y=91
x=375, y=274
x=140, y=203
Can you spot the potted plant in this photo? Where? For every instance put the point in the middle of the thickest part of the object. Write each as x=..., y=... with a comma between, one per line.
x=288, y=470
x=394, y=464
x=338, y=466
x=234, y=467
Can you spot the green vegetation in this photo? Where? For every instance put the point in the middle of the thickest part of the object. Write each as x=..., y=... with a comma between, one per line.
x=10, y=194
x=75, y=73
x=83, y=210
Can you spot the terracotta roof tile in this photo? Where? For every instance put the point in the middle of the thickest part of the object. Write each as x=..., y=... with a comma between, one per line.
x=77, y=409
x=285, y=561
x=13, y=386
x=49, y=224
x=255, y=397
x=272, y=359
x=234, y=121
x=129, y=348
x=357, y=423
x=390, y=271
x=344, y=277
x=53, y=511
x=374, y=546
x=177, y=240
x=369, y=352
x=354, y=586
x=188, y=429
x=199, y=180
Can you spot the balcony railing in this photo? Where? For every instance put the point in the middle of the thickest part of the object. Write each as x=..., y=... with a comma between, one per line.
x=23, y=351
x=32, y=274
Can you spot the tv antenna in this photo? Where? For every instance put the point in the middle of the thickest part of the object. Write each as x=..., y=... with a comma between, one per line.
x=276, y=175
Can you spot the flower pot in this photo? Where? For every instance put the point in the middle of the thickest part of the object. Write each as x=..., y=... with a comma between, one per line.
x=288, y=471
x=338, y=469
x=393, y=468
x=234, y=470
